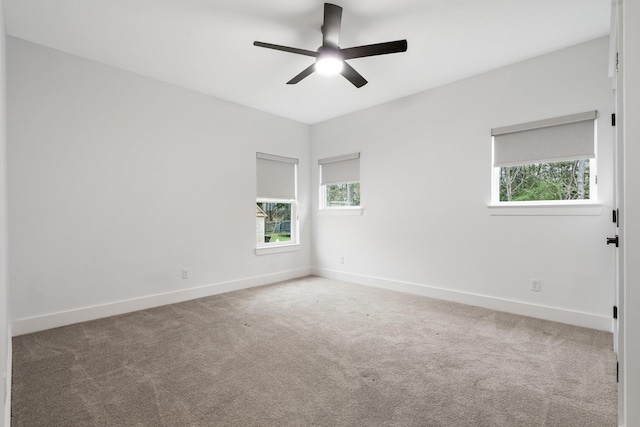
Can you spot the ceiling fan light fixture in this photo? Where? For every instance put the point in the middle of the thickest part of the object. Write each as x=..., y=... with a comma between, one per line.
x=329, y=65
x=330, y=58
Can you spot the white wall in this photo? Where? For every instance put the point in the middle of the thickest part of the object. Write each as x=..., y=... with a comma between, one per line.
x=117, y=182
x=5, y=334
x=425, y=186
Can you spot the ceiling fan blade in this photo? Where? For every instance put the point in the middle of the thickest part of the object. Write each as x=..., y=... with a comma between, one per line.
x=305, y=73
x=374, y=49
x=286, y=49
x=331, y=25
x=353, y=76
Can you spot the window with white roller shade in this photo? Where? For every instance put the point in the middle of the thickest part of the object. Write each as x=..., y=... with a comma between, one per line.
x=546, y=161
x=340, y=169
x=553, y=140
x=276, y=177
x=340, y=181
x=276, y=204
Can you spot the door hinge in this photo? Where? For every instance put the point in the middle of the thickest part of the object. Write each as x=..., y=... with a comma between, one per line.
x=617, y=372
x=617, y=61
x=615, y=312
x=613, y=119
x=615, y=217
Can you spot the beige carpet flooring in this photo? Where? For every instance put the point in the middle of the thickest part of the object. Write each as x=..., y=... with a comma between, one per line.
x=315, y=352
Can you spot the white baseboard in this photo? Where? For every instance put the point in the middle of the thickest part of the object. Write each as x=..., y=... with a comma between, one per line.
x=586, y=320
x=69, y=317
x=53, y=320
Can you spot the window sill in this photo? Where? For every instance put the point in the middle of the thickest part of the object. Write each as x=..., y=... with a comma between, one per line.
x=547, y=209
x=277, y=249
x=340, y=211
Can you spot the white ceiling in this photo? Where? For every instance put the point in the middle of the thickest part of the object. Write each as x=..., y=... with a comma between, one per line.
x=207, y=45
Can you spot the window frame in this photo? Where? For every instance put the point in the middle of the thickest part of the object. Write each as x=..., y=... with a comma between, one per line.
x=593, y=190
x=293, y=244
x=323, y=198
x=295, y=218
x=592, y=201
x=323, y=208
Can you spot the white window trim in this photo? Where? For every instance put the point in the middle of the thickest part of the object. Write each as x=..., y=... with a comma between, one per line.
x=277, y=249
x=585, y=208
x=346, y=211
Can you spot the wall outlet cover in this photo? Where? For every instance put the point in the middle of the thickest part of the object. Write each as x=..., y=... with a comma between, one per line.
x=535, y=285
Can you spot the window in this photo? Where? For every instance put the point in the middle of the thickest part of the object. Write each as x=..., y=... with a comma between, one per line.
x=342, y=195
x=274, y=225
x=545, y=162
x=276, y=202
x=340, y=182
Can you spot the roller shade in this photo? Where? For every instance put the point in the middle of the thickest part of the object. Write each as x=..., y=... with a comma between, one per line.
x=276, y=177
x=545, y=141
x=340, y=169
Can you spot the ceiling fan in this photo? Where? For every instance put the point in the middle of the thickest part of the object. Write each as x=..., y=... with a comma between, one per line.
x=330, y=58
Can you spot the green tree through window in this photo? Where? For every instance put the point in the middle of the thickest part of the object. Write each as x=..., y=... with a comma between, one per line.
x=545, y=181
x=277, y=226
x=338, y=195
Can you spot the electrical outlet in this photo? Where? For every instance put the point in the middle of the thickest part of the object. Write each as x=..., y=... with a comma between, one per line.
x=341, y=260
x=535, y=285
x=185, y=273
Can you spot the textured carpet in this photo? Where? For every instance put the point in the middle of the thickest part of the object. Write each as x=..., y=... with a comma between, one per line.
x=315, y=352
